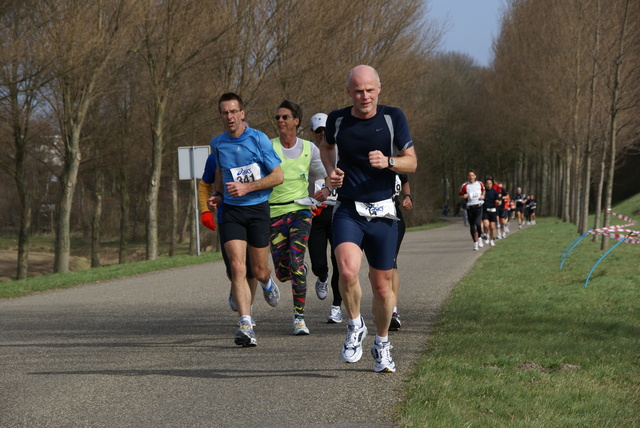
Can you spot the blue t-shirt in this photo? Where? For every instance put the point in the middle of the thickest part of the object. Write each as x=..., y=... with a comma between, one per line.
x=246, y=158
x=387, y=131
x=209, y=174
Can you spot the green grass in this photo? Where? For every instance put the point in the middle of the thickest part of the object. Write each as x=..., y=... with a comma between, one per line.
x=69, y=279
x=522, y=343
x=436, y=223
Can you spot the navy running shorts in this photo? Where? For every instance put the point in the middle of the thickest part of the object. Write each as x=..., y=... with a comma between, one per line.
x=377, y=237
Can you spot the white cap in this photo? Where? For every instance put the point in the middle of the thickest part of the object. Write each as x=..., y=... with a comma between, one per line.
x=318, y=120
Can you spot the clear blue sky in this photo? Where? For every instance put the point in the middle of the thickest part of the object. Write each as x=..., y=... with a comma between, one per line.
x=473, y=24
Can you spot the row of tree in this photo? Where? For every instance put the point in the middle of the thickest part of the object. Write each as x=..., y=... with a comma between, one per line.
x=100, y=94
x=95, y=98
x=555, y=113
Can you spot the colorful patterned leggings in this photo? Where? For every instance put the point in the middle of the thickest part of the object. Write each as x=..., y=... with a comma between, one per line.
x=288, y=242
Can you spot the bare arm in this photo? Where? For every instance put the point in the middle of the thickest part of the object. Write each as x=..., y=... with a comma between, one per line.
x=328, y=156
x=407, y=199
x=406, y=161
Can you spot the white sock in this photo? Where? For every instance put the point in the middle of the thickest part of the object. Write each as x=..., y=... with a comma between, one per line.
x=358, y=322
x=266, y=286
x=395, y=309
x=380, y=340
x=245, y=319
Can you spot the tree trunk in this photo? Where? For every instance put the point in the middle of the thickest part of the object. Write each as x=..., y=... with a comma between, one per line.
x=174, y=208
x=543, y=197
x=123, y=186
x=25, y=210
x=613, y=125
x=187, y=219
x=599, y=192
x=153, y=189
x=583, y=227
x=96, y=222
x=566, y=187
x=65, y=203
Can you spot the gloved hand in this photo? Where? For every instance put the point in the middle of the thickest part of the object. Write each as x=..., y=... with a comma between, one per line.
x=207, y=219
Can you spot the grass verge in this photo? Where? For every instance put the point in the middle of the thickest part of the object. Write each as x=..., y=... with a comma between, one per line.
x=522, y=343
x=69, y=279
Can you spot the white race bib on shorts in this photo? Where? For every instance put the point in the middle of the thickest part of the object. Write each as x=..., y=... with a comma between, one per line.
x=381, y=209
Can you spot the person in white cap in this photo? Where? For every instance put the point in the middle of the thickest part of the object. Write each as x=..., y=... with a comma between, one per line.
x=321, y=234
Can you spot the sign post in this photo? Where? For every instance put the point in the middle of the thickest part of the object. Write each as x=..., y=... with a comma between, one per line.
x=191, y=162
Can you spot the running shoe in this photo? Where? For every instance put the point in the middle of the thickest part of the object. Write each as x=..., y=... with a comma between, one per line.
x=352, y=348
x=475, y=246
x=493, y=244
x=245, y=336
x=382, y=354
x=232, y=303
x=395, y=323
x=299, y=327
x=335, y=315
x=321, y=288
x=272, y=294
x=480, y=244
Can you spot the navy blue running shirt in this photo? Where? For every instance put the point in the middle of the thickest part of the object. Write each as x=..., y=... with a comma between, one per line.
x=355, y=138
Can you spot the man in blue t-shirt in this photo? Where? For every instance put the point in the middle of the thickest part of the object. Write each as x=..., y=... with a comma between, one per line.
x=248, y=168
x=374, y=144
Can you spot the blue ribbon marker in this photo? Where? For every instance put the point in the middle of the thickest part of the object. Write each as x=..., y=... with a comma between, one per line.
x=573, y=244
x=601, y=258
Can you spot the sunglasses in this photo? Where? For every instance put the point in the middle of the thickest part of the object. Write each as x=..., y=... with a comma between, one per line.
x=319, y=130
x=284, y=117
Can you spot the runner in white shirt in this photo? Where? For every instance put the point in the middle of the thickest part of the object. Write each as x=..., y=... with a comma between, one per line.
x=473, y=193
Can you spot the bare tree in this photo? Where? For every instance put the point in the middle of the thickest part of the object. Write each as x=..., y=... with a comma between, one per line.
x=83, y=40
x=177, y=37
x=21, y=77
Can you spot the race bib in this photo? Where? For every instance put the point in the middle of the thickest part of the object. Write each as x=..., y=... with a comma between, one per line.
x=398, y=186
x=380, y=209
x=246, y=174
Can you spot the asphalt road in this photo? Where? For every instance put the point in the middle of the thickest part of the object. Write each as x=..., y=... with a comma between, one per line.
x=156, y=350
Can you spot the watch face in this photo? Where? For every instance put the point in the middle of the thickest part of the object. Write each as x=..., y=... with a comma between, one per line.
x=392, y=161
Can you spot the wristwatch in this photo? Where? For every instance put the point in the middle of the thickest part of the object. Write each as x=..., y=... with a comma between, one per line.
x=392, y=162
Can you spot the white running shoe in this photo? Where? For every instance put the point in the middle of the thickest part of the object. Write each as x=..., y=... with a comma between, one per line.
x=245, y=336
x=382, y=353
x=486, y=241
x=352, y=348
x=272, y=294
x=321, y=288
x=232, y=303
x=395, y=323
x=299, y=327
x=480, y=244
x=493, y=244
x=335, y=315
x=475, y=246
